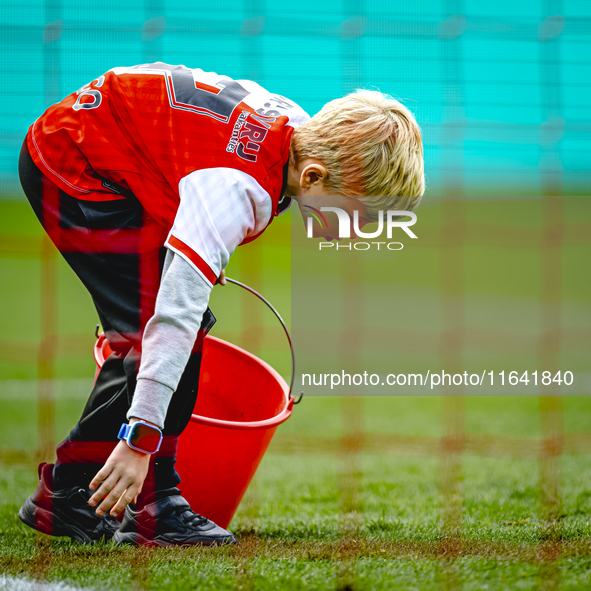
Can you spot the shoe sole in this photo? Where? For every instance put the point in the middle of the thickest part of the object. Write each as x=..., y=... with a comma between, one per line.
x=51, y=523
x=136, y=539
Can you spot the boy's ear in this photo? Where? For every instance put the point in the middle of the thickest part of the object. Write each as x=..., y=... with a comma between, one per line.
x=313, y=173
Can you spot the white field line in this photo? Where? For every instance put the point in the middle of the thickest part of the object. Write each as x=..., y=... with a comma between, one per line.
x=28, y=389
x=8, y=583
x=80, y=388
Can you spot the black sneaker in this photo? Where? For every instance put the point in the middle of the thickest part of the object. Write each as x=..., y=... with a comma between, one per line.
x=169, y=521
x=65, y=512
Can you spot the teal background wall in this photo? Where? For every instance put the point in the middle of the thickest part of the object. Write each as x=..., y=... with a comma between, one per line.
x=502, y=90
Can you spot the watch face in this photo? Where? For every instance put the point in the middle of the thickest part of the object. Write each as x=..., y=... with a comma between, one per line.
x=145, y=438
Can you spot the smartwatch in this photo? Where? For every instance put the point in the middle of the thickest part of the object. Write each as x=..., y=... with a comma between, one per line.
x=141, y=437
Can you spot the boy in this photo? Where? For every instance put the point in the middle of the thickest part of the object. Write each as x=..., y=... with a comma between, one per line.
x=146, y=180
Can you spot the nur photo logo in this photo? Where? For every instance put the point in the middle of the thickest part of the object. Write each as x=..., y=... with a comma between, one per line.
x=346, y=227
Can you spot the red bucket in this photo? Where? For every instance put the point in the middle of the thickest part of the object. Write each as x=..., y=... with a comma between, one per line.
x=241, y=402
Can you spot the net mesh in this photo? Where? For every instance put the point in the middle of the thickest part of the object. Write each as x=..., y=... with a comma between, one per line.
x=502, y=95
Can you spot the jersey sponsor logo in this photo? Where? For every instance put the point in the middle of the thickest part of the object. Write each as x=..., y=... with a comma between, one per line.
x=251, y=137
x=246, y=140
x=231, y=147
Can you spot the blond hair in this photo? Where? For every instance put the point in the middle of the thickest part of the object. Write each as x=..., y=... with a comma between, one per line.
x=371, y=147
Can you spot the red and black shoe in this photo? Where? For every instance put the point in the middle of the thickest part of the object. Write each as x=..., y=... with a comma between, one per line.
x=65, y=512
x=169, y=521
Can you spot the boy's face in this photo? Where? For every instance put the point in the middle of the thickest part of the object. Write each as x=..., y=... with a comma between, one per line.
x=306, y=186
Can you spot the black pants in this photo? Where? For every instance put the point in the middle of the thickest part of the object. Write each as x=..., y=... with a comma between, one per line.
x=116, y=250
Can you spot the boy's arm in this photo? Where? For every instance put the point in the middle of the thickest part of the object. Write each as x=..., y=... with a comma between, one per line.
x=217, y=212
x=219, y=208
x=169, y=338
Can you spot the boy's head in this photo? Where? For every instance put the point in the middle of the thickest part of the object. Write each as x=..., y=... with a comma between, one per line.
x=369, y=147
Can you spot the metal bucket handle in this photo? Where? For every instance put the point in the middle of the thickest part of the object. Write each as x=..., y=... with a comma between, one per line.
x=258, y=295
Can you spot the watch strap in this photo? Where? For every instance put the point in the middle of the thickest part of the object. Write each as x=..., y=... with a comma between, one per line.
x=126, y=432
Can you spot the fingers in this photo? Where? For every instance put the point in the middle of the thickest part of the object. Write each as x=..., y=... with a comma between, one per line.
x=221, y=280
x=128, y=496
x=116, y=495
x=116, y=492
x=137, y=494
x=100, y=476
x=104, y=489
x=120, y=480
x=111, y=489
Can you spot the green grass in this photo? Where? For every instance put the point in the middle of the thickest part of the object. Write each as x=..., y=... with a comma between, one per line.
x=293, y=520
x=193, y=571
x=327, y=518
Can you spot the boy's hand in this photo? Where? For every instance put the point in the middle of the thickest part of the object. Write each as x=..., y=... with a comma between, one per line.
x=122, y=479
x=221, y=280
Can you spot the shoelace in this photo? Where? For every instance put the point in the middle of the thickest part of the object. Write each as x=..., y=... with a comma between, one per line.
x=189, y=516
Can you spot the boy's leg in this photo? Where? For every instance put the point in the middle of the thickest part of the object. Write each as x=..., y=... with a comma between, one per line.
x=123, y=286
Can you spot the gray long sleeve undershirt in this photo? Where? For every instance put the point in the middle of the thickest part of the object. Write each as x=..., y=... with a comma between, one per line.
x=169, y=338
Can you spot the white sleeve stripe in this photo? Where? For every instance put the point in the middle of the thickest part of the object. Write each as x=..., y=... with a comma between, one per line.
x=190, y=261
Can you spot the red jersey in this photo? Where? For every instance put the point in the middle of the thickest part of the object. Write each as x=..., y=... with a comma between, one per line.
x=173, y=135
